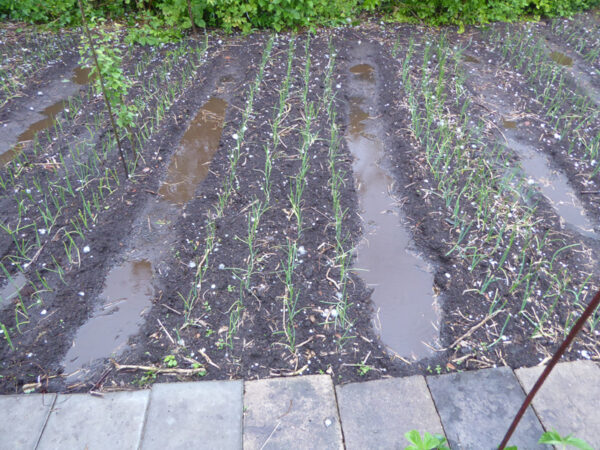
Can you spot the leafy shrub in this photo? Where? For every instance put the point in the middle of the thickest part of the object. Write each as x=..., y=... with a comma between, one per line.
x=163, y=20
x=461, y=12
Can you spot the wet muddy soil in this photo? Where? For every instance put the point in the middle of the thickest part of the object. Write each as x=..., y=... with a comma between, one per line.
x=402, y=282
x=184, y=265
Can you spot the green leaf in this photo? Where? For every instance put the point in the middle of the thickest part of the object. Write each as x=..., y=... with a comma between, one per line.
x=554, y=438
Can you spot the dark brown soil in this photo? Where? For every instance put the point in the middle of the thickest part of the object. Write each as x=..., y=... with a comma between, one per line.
x=469, y=338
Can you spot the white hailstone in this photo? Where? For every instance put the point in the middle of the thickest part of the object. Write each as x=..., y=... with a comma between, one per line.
x=447, y=275
x=221, y=266
x=86, y=249
x=81, y=293
x=338, y=86
x=235, y=136
x=325, y=312
x=213, y=286
x=334, y=313
x=192, y=264
x=301, y=250
x=328, y=422
x=557, y=136
x=28, y=191
x=530, y=181
x=40, y=93
x=31, y=108
x=43, y=312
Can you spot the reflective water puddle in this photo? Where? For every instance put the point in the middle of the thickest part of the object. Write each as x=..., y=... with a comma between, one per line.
x=127, y=293
x=402, y=281
x=189, y=166
x=561, y=58
x=80, y=77
x=554, y=185
x=129, y=287
x=12, y=288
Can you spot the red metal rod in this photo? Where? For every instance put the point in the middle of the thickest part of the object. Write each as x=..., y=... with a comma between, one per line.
x=555, y=358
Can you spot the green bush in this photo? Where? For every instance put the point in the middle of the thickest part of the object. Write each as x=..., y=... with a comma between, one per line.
x=160, y=20
x=461, y=12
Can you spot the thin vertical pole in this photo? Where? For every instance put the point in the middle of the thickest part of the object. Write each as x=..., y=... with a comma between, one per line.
x=112, y=120
x=189, y=3
x=555, y=358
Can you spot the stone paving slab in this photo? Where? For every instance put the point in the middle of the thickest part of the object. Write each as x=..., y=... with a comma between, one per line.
x=476, y=409
x=569, y=400
x=81, y=421
x=22, y=419
x=296, y=412
x=205, y=414
x=376, y=414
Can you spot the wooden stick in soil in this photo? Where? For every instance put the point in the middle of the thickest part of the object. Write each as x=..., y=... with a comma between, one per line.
x=555, y=358
x=112, y=120
x=194, y=29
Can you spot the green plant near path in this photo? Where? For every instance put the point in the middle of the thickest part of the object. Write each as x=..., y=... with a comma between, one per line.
x=117, y=85
x=427, y=442
x=438, y=442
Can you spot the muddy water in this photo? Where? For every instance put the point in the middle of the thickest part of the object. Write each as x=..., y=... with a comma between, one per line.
x=509, y=123
x=402, y=281
x=12, y=288
x=364, y=72
x=561, y=58
x=471, y=59
x=190, y=164
x=554, y=186
x=80, y=77
x=127, y=294
x=129, y=288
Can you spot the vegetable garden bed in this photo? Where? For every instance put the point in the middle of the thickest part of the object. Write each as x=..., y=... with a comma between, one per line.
x=240, y=262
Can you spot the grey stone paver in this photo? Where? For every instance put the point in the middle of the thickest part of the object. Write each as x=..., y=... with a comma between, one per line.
x=204, y=414
x=82, y=421
x=376, y=414
x=298, y=412
x=476, y=409
x=569, y=400
x=22, y=419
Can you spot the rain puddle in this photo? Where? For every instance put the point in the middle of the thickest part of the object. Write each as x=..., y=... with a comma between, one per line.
x=80, y=78
x=364, y=72
x=189, y=166
x=509, y=124
x=471, y=59
x=581, y=78
x=12, y=288
x=127, y=293
x=402, y=281
x=128, y=289
x=561, y=58
x=554, y=186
